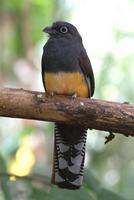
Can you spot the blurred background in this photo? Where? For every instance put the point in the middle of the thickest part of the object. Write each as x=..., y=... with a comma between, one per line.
x=107, y=29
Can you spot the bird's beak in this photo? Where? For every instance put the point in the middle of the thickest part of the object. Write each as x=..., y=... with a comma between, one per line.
x=49, y=30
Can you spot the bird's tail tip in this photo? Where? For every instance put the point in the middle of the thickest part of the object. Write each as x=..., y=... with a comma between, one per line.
x=67, y=185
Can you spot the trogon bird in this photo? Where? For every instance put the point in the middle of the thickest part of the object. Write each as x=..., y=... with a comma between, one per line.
x=66, y=70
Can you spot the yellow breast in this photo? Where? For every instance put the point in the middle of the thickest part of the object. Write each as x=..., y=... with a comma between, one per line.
x=67, y=83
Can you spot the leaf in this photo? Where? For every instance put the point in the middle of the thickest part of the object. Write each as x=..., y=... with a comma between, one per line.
x=102, y=194
x=106, y=194
x=91, y=181
x=3, y=179
x=83, y=193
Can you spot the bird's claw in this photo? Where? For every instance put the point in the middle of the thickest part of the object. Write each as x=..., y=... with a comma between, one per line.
x=74, y=95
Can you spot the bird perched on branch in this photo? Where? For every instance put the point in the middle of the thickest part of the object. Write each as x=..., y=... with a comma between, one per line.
x=66, y=70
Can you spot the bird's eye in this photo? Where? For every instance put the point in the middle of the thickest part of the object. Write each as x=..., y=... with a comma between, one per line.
x=63, y=29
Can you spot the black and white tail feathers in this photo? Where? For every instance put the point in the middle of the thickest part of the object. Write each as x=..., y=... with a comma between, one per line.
x=69, y=155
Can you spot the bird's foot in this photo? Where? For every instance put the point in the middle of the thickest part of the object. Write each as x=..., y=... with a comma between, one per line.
x=74, y=96
x=51, y=94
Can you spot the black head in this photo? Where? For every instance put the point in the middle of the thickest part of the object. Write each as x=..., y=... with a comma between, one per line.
x=62, y=29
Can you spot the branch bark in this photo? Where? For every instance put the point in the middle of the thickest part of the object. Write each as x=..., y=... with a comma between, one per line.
x=90, y=113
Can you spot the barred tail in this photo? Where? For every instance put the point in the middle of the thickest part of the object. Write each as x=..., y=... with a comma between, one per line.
x=69, y=156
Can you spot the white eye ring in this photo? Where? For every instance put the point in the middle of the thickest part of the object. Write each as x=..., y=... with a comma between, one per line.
x=63, y=29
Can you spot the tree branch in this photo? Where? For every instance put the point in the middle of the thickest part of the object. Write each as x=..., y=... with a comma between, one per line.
x=91, y=113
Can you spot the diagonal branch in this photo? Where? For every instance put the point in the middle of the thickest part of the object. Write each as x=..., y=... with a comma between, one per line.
x=91, y=113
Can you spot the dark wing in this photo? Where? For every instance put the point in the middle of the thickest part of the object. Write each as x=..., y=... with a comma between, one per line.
x=87, y=70
x=43, y=66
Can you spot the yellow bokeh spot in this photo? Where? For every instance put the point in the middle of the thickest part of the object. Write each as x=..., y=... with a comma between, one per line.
x=23, y=162
x=12, y=178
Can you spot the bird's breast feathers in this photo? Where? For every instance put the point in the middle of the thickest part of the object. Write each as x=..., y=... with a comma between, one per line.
x=67, y=83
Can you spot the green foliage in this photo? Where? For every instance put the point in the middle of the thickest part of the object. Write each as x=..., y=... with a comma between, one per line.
x=38, y=189
x=95, y=186
x=3, y=182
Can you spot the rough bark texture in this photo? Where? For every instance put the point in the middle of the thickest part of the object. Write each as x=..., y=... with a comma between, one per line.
x=91, y=113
